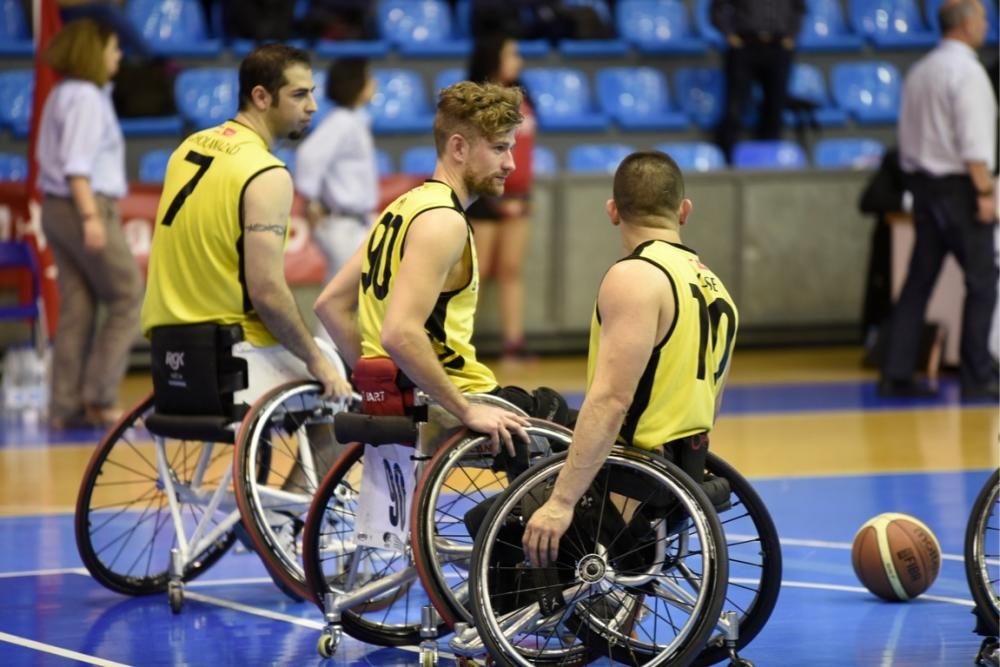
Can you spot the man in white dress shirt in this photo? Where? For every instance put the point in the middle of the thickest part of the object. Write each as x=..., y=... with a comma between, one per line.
x=335, y=166
x=947, y=139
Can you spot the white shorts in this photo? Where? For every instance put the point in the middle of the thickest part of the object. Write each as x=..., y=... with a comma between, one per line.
x=268, y=367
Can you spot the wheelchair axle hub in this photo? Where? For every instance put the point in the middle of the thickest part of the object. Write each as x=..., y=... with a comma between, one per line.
x=591, y=568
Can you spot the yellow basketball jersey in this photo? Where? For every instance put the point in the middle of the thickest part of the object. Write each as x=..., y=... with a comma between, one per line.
x=449, y=327
x=196, y=263
x=676, y=394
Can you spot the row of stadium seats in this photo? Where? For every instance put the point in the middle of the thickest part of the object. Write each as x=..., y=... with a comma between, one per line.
x=631, y=98
x=428, y=28
x=582, y=158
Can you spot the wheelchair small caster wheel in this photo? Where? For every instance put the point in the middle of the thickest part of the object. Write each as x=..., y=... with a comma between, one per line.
x=740, y=662
x=175, y=594
x=327, y=644
x=428, y=658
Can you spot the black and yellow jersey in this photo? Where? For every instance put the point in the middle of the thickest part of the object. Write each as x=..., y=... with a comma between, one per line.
x=676, y=394
x=197, y=270
x=449, y=327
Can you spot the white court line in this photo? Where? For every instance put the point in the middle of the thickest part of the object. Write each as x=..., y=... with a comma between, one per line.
x=859, y=589
x=61, y=652
x=275, y=616
x=42, y=573
x=255, y=611
x=823, y=544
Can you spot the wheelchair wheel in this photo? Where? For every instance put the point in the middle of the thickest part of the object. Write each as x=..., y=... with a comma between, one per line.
x=124, y=528
x=284, y=448
x=640, y=578
x=449, y=497
x=982, y=553
x=754, y=553
x=333, y=561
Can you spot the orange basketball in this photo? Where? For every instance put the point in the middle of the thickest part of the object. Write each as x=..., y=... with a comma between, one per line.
x=896, y=556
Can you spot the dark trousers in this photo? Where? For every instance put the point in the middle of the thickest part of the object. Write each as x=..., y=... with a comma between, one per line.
x=944, y=217
x=768, y=64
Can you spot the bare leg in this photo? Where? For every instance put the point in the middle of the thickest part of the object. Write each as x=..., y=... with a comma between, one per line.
x=510, y=278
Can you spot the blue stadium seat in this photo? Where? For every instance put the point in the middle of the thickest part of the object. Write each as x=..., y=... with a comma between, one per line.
x=152, y=126
x=544, y=162
x=418, y=161
x=373, y=49
x=447, y=77
x=400, y=104
x=701, y=94
x=17, y=89
x=593, y=48
x=637, y=98
x=891, y=24
x=596, y=158
x=420, y=28
x=869, y=91
x=703, y=21
x=658, y=26
x=207, y=96
x=242, y=47
x=15, y=34
x=806, y=84
x=825, y=29
x=695, y=155
x=848, y=153
x=153, y=165
x=287, y=155
x=931, y=8
x=562, y=100
x=769, y=155
x=383, y=163
x=13, y=167
x=174, y=27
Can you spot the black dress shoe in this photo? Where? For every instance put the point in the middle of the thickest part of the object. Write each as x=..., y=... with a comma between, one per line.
x=984, y=392
x=904, y=389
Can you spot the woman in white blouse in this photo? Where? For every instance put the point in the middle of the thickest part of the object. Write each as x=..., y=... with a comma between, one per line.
x=81, y=160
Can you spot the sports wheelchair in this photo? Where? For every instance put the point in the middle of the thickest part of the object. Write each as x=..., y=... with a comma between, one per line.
x=362, y=541
x=982, y=566
x=164, y=493
x=655, y=569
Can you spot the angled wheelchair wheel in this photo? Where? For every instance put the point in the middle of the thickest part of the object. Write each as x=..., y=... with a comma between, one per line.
x=334, y=562
x=640, y=578
x=451, y=500
x=754, y=553
x=124, y=525
x=982, y=552
x=284, y=448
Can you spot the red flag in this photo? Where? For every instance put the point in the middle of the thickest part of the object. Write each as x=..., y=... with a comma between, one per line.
x=47, y=24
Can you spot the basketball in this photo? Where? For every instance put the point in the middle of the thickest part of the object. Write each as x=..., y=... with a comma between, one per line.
x=896, y=556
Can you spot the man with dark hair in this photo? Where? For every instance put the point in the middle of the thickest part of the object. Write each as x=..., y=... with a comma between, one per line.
x=335, y=166
x=660, y=342
x=947, y=133
x=222, y=224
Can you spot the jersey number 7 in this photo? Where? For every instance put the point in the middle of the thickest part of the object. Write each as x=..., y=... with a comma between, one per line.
x=203, y=162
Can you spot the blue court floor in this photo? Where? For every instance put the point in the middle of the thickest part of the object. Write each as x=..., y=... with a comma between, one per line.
x=53, y=613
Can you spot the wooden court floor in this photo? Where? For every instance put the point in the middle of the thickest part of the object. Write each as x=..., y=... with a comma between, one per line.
x=805, y=425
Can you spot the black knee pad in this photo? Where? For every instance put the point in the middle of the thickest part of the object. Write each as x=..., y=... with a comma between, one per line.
x=549, y=404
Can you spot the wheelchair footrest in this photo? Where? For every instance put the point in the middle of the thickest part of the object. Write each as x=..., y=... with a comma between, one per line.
x=374, y=430
x=209, y=428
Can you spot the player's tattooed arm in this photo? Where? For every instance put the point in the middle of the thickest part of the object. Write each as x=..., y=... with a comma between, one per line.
x=278, y=230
